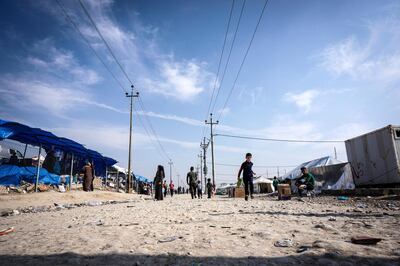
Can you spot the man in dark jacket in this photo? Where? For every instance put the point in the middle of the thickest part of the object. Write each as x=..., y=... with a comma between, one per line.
x=191, y=179
x=248, y=174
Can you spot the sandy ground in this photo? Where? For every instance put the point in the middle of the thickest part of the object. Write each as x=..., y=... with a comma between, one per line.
x=13, y=201
x=181, y=231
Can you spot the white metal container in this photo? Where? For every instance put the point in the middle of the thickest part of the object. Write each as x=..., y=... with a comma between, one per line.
x=375, y=157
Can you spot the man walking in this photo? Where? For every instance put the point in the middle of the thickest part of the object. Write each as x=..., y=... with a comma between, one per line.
x=165, y=186
x=248, y=174
x=191, y=179
x=171, y=188
x=275, y=183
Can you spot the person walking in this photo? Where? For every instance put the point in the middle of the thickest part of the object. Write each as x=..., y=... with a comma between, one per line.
x=158, y=182
x=248, y=174
x=165, y=187
x=199, y=190
x=87, y=173
x=209, y=188
x=171, y=188
x=275, y=183
x=191, y=179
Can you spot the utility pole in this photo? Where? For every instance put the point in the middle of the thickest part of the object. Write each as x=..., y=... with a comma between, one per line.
x=201, y=166
x=204, y=146
x=170, y=170
x=211, y=123
x=128, y=186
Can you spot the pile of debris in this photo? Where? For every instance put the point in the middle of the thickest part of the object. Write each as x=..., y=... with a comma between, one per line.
x=27, y=187
x=59, y=207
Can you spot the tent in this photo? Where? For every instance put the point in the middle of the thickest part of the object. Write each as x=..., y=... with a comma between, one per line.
x=263, y=185
x=142, y=179
x=48, y=141
x=330, y=174
x=296, y=172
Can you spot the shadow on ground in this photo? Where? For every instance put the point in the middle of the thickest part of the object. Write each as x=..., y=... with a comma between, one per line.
x=173, y=259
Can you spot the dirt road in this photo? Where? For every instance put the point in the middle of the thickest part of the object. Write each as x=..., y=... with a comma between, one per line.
x=181, y=231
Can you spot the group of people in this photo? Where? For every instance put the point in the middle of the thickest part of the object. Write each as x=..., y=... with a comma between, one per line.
x=195, y=188
x=305, y=183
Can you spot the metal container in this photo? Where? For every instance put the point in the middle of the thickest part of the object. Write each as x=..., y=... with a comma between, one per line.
x=375, y=157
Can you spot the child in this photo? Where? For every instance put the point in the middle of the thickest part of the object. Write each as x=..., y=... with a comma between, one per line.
x=199, y=190
x=209, y=188
x=247, y=176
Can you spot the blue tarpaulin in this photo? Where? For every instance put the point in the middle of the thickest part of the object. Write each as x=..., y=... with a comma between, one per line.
x=142, y=179
x=10, y=175
x=49, y=141
x=13, y=175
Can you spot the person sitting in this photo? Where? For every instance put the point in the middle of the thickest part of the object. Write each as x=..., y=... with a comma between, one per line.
x=13, y=159
x=305, y=182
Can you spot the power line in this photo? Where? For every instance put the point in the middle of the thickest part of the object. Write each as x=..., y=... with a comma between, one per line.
x=256, y=166
x=127, y=77
x=105, y=42
x=229, y=55
x=244, y=58
x=280, y=140
x=153, y=130
x=152, y=140
x=90, y=46
x=220, y=61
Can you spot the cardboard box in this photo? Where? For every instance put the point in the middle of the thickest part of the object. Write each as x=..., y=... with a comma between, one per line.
x=239, y=192
x=284, y=192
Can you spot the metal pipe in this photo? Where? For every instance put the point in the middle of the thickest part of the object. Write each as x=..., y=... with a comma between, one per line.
x=26, y=146
x=72, y=169
x=38, y=169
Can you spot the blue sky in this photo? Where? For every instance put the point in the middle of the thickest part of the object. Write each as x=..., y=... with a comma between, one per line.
x=316, y=70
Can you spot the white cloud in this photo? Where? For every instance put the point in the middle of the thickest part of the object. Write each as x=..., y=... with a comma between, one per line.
x=182, y=80
x=137, y=49
x=185, y=120
x=224, y=112
x=303, y=100
x=254, y=94
x=51, y=97
x=61, y=62
x=365, y=59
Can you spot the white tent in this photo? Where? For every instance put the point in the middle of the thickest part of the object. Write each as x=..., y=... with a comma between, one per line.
x=263, y=185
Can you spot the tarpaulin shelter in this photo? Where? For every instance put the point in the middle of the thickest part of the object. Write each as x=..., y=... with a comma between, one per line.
x=330, y=174
x=142, y=179
x=48, y=141
x=263, y=185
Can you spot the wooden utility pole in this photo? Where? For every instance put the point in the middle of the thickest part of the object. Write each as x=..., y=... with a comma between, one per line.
x=128, y=186
x=211, y=123
x=201, y=170
x=204, y=146
x=170, y=171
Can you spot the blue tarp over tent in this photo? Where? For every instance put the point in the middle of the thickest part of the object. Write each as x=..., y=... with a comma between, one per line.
x=142, y=179
x=39, y=137
x=13, y=175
